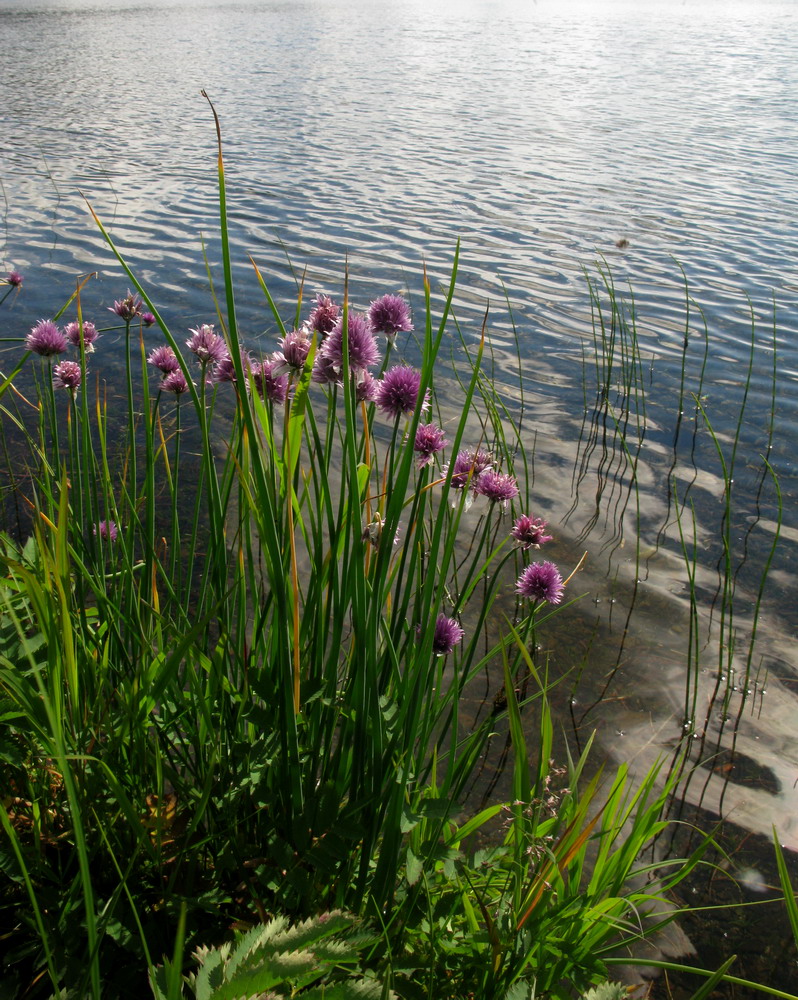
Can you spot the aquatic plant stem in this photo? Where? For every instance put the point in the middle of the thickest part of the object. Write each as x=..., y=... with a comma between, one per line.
x=289, y=489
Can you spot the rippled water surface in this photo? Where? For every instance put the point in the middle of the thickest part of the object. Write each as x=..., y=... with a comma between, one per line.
x=542, y=135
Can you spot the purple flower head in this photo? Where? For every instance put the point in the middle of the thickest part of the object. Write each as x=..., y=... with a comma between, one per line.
x=497, y=487
x=293, y=353
x=127, y=308
x=72, y=332
x=363, y=350
x=429, y=440
x=107, y=530
x=46, y=339
x=14, y=278
x=174, y=381
x=390, y=315
x=225, y=371
x=366, y=388
x=324, y=315
x=266, y=380
x=324, y=371
x=164, y=358
x=206, y=345
x=397, y=393
x=147, y=318
x=66, y=375
x=528, y=532
x=447, y=634
x=541, y=582
x=469, y=466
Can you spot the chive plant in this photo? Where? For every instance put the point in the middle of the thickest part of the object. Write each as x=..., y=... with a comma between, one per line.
x=234, y=690
x=242, y=699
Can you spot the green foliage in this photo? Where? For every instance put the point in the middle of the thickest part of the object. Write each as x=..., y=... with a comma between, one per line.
x=312, y=959
x=607, y=991
x=234, y=707
x=565, y=885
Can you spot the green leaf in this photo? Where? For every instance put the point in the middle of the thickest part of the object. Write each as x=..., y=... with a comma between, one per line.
x=789, y=895
x=606, y=991
x=714, y=979
x=206, y=981
x=521, y=990
x=352, y=989
x=414, y=868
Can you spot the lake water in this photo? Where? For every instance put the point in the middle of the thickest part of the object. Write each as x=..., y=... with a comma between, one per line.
x=541, y=135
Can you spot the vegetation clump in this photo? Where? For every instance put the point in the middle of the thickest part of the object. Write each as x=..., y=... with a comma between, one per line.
x=238, y=636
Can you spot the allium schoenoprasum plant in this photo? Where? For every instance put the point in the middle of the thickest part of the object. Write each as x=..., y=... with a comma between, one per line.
x=232, y=675
x=240, y=705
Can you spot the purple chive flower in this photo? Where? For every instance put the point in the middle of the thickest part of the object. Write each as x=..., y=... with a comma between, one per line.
x=174, y=381
x=14, y=278
x=363, y=350
x=469, y=466
x=206, y=345
x=429, y=440
x=266, y=380
x=127, y=308
x=293, y=353
x=541, y=582
x=164, y=358
x=107, y=530
x=397, y=393
x=324, y=371
x=324, y=315
x=497, y=487
x=366, y=388
x=46, y=339
x=72, y=333
x=66, y=375
x=390, y=315
x=447, y=634
x=225, y=371
x=528, y=532
x=147, y=318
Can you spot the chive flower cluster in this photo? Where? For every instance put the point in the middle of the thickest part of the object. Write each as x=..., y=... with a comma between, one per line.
x=540, y=581
x=395, y=392
x=66, y=375
x=127, y=308
x=473, y=470
x=47, y=340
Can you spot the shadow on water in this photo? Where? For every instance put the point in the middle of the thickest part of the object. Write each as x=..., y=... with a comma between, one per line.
x=695, y=662
x=678, y=648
